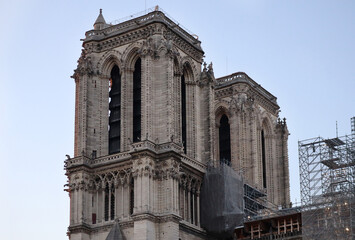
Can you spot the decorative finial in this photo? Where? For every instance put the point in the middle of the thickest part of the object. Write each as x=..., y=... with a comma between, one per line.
x=156, y=8
x=100, y=10
x=210, y=67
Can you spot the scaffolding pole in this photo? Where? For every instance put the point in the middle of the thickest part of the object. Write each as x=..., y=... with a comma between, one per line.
x=327, y=187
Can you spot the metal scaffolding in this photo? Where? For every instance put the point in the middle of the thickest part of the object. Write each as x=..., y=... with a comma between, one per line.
x=327, y=168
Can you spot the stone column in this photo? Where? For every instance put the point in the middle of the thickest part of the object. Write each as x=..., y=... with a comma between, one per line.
x=122, y=200
x=198, y=207
x=103, y=204
x=185, y=204
x=97, y=205
x=72, y=205
x=193, y=219
x=76, y=208
x=109, y=202
x=116, y=200
x=189, y=204
x=126, y=108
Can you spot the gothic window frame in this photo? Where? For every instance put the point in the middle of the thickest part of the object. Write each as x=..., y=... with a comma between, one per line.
x=219, y=112
x=224, y=143
x=265, y=144
x=115, y=121
x=186, y=77
x=137, y=101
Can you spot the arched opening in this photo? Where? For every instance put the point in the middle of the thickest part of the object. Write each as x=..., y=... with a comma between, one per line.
x=137, y=103
x=183, y=112
x=115, y=111
x=107, y=194
x=263, y=157
x=131, y=196
x=224, y=140
x=109, y=202
x=112, y=207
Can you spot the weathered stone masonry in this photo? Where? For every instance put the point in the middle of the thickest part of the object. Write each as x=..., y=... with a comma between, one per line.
x=152, y=185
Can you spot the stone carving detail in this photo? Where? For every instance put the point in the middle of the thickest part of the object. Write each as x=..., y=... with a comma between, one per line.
x=107, y=58
x=242, y=103
x=207, y=75
x=84, y=65
x=190, y=182
x=99, y=181
x=156, y=44
x=196, y=72
x=281, y=126
x=79, y=183
x=240, y=88
x=150, y=47
x=167, y=169
x=143, y=167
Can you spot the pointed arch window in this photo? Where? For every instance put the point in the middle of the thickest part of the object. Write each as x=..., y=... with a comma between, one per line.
x=224, y=140
x=115, y=111
x=137, y=103
x=263, y=157
x=183, y=111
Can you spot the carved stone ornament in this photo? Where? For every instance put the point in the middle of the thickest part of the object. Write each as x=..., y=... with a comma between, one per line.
x=207, y=75
x=84, y=65
x=242, y=103
x=155, y=44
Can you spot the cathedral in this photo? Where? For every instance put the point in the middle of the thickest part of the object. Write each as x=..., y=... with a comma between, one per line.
x=150, y=117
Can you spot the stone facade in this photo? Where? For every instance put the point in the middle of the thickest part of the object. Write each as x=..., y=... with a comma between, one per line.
x=152, y=185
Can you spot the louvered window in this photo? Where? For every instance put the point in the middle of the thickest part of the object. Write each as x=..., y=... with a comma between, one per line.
x=115, y=111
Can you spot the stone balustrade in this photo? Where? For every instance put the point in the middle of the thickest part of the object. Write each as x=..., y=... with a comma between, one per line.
x=139, y=146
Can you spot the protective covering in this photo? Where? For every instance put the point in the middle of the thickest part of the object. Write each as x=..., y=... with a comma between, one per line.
x=221, y=200
x=115, y=233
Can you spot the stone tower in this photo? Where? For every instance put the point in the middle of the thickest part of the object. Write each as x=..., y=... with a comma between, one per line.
x=149, y=117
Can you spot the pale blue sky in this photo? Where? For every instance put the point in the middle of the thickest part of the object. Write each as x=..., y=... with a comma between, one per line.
x=303, y=52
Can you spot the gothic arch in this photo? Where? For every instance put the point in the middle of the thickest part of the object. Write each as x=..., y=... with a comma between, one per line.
x=223, y=150
x=265, y=123
x=176, y=65
x=188, y=72
x=107, y=61
x=265, y=146
x=130, y=55
x=222, y=109
x=187, y=61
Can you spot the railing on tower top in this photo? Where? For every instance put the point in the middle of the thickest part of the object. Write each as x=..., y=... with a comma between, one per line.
x=142, y=17
x=243, y=77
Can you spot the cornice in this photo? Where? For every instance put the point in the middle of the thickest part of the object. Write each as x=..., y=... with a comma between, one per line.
x=236, y=83
x=192, y=229
x=152, y=17
x=141, y=28
x=95, y=228
x=80, y=228
x=240, y=77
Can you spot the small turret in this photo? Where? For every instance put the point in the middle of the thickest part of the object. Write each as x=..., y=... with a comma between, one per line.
x=100, y=22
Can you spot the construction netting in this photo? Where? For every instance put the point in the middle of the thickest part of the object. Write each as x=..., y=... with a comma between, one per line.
x=221, y=200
